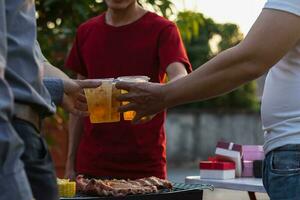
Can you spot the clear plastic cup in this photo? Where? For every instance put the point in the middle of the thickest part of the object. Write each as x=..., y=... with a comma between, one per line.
x=102, y=103
x=129, y=115
x=115, y=104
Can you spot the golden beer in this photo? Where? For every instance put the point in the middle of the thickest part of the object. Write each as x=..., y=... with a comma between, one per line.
x=102, y=103
x=129, y=115
x=115, y=104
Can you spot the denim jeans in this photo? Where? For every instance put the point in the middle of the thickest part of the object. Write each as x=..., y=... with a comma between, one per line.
x=281, y=173
x=37, y=161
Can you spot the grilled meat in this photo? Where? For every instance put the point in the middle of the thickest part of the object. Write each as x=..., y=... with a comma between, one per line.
x=122, y=187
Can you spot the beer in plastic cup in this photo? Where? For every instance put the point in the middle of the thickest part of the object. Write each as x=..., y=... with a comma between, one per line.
x=115, y=104
x=102, y=103
x=129, y=115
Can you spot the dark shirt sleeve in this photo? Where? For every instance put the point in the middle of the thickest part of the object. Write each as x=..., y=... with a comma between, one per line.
x=74, y=61
x=55, y=87
x=171, y=48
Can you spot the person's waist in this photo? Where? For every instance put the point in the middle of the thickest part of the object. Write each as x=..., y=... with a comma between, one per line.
x=27, y=113
x=281, y=134
x=288, y=147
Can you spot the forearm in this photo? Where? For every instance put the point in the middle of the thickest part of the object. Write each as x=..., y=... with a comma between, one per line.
x=222, y=74
x=75, y=133
x=175, y=78
x=51, y=71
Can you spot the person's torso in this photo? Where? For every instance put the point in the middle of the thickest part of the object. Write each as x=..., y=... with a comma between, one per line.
x=281, y=98
x=122, y=149
x=23, y=72
x=122, y=51
x=280, y=108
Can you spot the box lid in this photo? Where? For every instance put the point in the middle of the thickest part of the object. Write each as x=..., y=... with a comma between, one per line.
x=230, y=146
x=216, y=165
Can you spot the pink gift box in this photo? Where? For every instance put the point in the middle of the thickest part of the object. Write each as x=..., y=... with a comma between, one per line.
x=253, y=152
x=247, y=168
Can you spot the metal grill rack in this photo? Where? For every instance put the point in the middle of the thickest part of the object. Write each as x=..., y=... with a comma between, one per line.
x=180, y=191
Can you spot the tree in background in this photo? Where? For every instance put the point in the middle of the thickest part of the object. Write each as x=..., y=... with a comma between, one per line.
x=204, y=39
x=59, y=19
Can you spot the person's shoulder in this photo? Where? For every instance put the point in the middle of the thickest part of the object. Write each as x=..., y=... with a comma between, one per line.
x=90, y=24
x=159, y=21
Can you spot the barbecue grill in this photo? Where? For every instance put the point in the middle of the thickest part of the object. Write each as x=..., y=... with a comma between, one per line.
x=180, y=191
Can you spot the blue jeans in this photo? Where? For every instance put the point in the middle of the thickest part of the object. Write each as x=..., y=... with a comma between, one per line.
x=37, y=161
x=281, y=173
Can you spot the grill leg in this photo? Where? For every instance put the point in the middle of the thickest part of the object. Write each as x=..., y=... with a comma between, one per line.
x=252, y=195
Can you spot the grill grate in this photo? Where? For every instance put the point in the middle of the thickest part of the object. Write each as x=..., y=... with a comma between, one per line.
x=183, y=186
x=180, y=191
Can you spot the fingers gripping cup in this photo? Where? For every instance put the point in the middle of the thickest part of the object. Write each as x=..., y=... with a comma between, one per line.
x=129, y=115
x=102, y=103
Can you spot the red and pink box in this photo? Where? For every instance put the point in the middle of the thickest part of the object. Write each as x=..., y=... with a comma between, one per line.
x=217, y=169
x=231, y=152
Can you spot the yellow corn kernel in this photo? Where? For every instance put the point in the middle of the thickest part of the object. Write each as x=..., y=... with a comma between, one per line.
x=66, y=188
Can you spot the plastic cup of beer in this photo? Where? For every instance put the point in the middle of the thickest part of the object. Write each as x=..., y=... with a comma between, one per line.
x=129, y=115
x=115, y=104
x=102, y=103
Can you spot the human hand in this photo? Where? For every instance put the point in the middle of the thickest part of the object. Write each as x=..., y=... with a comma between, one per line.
x=74, y=100
x=145, y=98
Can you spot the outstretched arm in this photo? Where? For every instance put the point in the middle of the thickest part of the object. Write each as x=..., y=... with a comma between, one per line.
x=270, y=38
x=72, y=98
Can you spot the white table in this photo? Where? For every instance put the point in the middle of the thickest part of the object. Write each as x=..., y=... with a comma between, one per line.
x=251, y=185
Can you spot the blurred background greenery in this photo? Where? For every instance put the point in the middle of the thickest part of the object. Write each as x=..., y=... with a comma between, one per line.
x=58, y=20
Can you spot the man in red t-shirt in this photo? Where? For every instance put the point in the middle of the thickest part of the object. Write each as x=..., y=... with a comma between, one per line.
x=126, y=40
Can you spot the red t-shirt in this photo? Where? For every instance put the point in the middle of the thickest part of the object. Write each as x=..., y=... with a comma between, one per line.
x=144, y=47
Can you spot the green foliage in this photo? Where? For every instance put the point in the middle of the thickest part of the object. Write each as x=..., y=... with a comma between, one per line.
x=197, y=32
x=164, y=7
x=189, y=24
x=230, y=35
